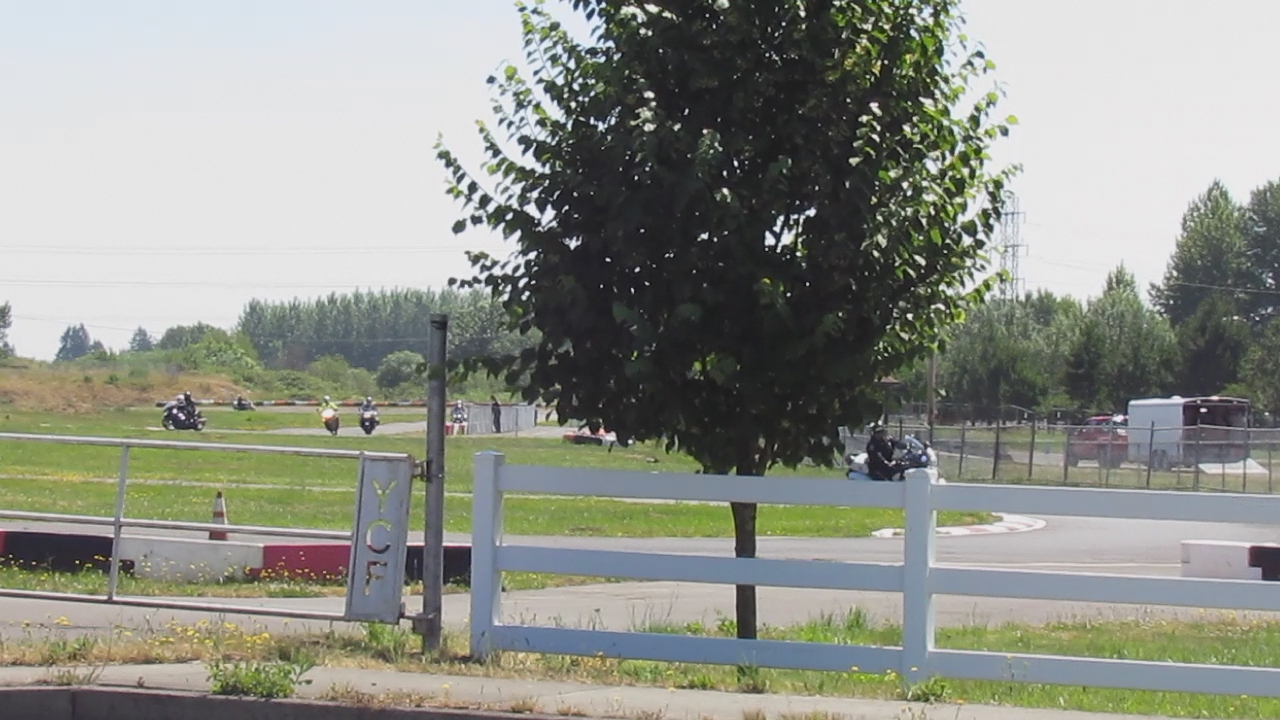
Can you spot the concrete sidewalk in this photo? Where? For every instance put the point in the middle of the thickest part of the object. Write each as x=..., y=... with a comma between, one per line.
x=564, y=698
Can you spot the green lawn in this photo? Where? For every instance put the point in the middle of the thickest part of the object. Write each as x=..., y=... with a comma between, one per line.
x=318, y=492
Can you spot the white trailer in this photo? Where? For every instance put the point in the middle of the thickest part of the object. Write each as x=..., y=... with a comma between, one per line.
x=1178, y=431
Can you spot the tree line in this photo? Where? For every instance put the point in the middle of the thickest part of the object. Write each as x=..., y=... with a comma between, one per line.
x=1211, y=326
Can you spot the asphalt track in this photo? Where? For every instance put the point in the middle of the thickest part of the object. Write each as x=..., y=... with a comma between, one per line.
x=1065, y=544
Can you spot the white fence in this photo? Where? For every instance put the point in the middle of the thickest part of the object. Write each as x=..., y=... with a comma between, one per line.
x=918, y=577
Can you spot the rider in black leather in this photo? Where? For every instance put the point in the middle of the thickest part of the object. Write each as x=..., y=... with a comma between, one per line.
x=880, y=462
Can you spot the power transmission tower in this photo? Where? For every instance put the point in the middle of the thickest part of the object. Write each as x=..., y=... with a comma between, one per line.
x=1009, y=247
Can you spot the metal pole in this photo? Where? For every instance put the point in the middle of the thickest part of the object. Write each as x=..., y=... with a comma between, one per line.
x=1066, y=449
x=1195, y=479
x=1151, y=451
x=1031, y=457
x=113, y=577
x=933, y=392
x=995, y=456
x=1269, y=468
x=960, y=470
x=433, y=542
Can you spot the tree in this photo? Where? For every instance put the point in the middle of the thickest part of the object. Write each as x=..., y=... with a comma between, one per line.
x=141, y=341
x=75, y=343
x=730, y=220
x=1262, y=250
x=1210, y=254
x=181, y=336
x=1008, y=352
x=1260, y=370
x=1213, y=343
x=398, y=368
x=1124, y=350
x=6, y=322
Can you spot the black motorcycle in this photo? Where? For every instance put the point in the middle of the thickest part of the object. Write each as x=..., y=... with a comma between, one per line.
x=330, y=419
x=241, y=404
x=176, y=417
x=368, y=421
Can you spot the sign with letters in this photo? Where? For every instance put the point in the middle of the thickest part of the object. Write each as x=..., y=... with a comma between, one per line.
x=379, y=543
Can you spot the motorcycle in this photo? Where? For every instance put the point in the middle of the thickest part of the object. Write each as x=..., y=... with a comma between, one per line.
x=368, y=421
x=910, y=453
x=175, y=417
x=331, y=422
x=242, y=404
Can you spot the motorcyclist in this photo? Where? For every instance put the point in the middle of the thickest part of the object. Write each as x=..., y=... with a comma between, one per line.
x=327, y=404
x=188, y=404
x=242, y=404
x=459, y=415
x=367, y=405
x=880, y=462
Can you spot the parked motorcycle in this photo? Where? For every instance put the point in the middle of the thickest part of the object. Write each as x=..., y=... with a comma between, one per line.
x=176, y=417
x=368, y=421
x=331, y=422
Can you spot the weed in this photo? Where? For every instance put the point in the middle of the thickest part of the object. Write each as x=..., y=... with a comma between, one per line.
x=254, y=678
x=932, y=690
x=751, y=680
x=524, y=706
x=754, y=714
x=570, y=711
x=388, y=643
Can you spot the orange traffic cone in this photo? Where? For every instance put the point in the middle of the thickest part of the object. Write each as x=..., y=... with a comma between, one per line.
x=219, y=517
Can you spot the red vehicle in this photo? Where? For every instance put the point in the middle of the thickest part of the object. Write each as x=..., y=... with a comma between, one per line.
x=1103, y=439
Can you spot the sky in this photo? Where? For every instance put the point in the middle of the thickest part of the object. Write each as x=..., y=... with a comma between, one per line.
x=163, y=163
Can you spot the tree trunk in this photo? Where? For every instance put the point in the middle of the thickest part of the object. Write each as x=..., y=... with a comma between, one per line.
x=744, y=546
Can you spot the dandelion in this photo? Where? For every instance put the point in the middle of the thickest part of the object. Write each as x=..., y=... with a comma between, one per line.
x=62, y=620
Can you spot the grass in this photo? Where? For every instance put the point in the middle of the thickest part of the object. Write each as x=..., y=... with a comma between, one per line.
x=332, y=509
x=318, y=492
x=93, y=582
x=1214, y=640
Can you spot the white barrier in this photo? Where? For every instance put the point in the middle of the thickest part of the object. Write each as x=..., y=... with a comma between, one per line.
x=918, y=578
x=183, y=560
x=1221, y=559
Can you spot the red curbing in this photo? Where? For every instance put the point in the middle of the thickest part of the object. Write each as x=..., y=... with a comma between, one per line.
x=319, y=561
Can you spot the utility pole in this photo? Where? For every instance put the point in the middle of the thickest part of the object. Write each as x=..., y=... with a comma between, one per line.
x=433, y=541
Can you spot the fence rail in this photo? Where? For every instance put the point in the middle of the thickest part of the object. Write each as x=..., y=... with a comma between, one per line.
x=118, y=522
x=919, y=578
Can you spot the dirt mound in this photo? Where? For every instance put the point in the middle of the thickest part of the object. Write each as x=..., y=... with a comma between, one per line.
x=43, y=388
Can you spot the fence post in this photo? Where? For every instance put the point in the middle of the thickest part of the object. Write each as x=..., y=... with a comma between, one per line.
x=1031, y=456
x=1066, y=454
x=960, y=470
x=917, y=563
x=1151, y=451
x=1195, y=479
x=486, y=536
x=113, y=577
x=995, y=455
x=1269, y=468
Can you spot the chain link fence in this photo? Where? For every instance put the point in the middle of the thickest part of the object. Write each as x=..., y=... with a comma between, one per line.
x=1193, y=458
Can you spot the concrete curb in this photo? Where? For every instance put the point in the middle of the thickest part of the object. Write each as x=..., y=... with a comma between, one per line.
x=1228, y=560
x=1007, y=524
x=188, y=683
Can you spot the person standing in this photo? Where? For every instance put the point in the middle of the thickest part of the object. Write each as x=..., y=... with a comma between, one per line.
x=496, y=407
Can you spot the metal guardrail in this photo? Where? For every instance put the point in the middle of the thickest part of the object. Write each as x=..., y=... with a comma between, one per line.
x=118, y=521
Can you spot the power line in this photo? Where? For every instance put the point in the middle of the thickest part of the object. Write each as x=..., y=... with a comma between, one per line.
x=1207, y=286
x=258, y=251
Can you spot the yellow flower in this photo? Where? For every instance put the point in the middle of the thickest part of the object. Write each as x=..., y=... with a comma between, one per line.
x=62, y=620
